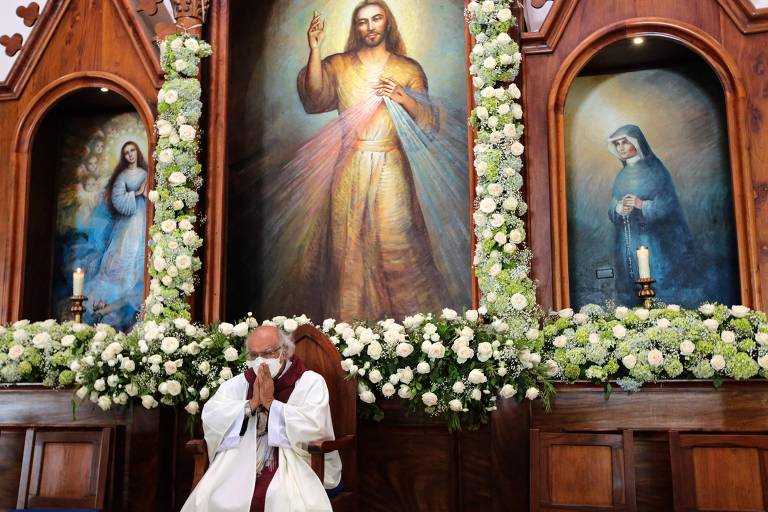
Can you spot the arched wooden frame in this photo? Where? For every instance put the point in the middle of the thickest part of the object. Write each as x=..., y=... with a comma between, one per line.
x=21, y=166
x=736, y=106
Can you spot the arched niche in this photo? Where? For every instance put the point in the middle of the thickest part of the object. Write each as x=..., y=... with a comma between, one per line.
x=667, y=47
x=68, y=147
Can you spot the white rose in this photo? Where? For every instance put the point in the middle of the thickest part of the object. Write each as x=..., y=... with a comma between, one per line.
x=170, y=367
x=477, y=376
x=205, y=393
x=290, y=325
x=476, y=394
x=177, y=178
x=662, y=323
x=488, y=6
x=113, y=380
x=374, y=350
x=642, y=314
x=423, y=367
x=67, y=341
x=517, y=148
x=565, y=313
x=505, y=59
x=186, y=225
x=153, y=196
x=204, y=367
x=455, y=405
x=449, y=314
x=230, y=354
x=711, y=324
x=42, y=340
x=763, y=361
x=226, y=373
x=717, y=362
x=458, y=387
x=405, y=375
x=164, y=128
x=240, y=329
x=516, y=236
x=404, y=349
x=180, y=65
x=482, y=113
x=166, y=156
x=619, y=331
x=104, y=403
x=131, y=389
x=74, y=365
x=156, y=309
x=707, y=309
x=487, y=205
x=437, y=351
x=493, y=121
x=374, y=376
x=507, y=391
x=500, y=238
x=531, y=393
x=177, y=205
x=477, y=82
x=687, y=347
x=621, y=312
x=497, y=220
x=404, y=392
x=177, y=43
x=429, y=399
x=629, y=361
x=728, y=337
x=82, y=392
x=168, y=226
x=169, y=345
x=739, y=311
x=388, y=390
x=464, y=353
x=15, y=352
x=560, y=341
x=367, y=397
x=580, y=318
x=127, y=365
x=761, y=338
x=100, y=385
x=519, y=302
x=148, y=401
x=226, y=328
x=484, y=351
x=504, y=14
x=655, y=358
x=189, y=238
x=170, y=96
x=191, y=44
x=532, y=334
x=192, y=408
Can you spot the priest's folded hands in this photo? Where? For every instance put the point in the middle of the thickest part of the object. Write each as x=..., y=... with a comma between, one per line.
x=257, y=427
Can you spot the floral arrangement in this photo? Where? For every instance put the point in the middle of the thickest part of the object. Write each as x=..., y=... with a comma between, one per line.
x=634, y=346
x=502, y=260
x=453, y=366
x=173, y=262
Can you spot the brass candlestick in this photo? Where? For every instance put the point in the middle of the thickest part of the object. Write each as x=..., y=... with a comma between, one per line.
x=646, y=293
x=77, y=307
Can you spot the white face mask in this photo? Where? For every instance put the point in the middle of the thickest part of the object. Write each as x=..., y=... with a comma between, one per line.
x=272, y=364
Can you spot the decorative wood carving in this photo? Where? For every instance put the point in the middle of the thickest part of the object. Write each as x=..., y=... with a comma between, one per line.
x=149, y=6
x=29, y=14
x=735, y=98
x=748, y=18
x=545, y=40
x=190, y=14
x=12, y=44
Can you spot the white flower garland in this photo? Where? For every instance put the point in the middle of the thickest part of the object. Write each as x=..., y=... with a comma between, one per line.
x=173, y=263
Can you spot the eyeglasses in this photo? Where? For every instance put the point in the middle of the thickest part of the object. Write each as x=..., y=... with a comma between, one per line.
x=267, y=354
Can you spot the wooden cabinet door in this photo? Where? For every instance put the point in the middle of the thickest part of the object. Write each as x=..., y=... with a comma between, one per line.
x=582, y=472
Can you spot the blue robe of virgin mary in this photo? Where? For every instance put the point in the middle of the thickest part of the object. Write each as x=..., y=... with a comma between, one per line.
x=659, y=225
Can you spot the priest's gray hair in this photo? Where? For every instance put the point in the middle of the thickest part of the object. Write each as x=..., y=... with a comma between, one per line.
x=287, y=345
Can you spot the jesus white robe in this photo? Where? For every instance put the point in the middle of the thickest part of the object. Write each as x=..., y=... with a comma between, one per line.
x=228, y=485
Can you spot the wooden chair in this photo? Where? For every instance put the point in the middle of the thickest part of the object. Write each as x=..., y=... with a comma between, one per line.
x=65, y=469
x=319, y=355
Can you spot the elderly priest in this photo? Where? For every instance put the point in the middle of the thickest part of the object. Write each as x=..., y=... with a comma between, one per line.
x=257, y=427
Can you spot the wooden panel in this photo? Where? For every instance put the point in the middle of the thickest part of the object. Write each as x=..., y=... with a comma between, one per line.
x=582, y=471
x=11, y=454
x=727, y=478
x=580, y=475
x=736, y=407
x=66, y=470
x=653, y=472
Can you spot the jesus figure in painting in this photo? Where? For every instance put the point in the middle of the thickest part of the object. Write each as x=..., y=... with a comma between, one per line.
x=377, y=249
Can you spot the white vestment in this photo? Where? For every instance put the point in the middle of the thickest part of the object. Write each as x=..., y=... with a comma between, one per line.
x=228, y=484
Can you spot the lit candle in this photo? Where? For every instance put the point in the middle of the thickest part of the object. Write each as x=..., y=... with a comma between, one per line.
x=78, y=281
x=643, y=263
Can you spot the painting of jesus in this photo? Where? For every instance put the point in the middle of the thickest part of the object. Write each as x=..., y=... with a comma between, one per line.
x=371, y=207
